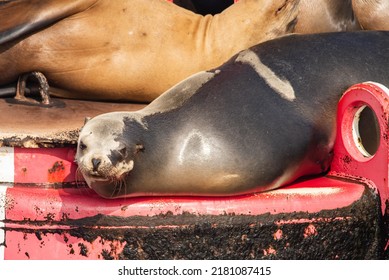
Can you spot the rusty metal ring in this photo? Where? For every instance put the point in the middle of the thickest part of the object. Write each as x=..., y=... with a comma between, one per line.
x=43, y=88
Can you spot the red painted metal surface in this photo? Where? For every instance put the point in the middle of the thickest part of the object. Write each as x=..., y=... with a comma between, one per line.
x=44, y=165
x=40, y=210
x=310, y=196
x=46, y=212
x=349, y=160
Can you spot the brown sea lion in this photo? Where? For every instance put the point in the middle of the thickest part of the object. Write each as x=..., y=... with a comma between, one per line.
x=314, y=16
x=128, y=49
x=258, y=122
x=326, y=16
x=372, y=14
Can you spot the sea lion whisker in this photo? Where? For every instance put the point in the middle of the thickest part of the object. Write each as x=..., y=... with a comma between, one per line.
x=80, y=180
x=117, y=186
x=78, y=176
x=124, y=184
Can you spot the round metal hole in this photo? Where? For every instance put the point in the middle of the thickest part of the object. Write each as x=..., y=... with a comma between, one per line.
x=366, y=131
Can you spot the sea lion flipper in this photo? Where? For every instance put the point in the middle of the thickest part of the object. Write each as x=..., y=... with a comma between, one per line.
x=19, y=18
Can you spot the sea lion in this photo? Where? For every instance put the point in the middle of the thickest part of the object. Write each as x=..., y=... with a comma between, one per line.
x=128, y=49
x=259, y=121
x=326, y=16
x=372, y=14
x=313, y=16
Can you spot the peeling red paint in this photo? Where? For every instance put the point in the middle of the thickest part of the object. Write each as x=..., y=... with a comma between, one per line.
x=278, y=234
x=313, y=220
x=310, y=230
x=193, y=236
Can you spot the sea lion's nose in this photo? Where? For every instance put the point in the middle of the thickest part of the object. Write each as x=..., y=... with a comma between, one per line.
x=96, y=162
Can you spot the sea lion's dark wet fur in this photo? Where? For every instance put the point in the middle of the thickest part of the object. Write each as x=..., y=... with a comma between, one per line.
x=253, y=125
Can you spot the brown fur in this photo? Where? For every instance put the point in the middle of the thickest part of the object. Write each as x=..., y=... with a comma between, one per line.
x=326, y=16
x=129, y=49
x=315, y=16
x=372, y=14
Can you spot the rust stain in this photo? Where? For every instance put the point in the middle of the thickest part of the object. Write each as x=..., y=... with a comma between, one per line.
x=347, y=159
x=57, y=172
x=57, y=166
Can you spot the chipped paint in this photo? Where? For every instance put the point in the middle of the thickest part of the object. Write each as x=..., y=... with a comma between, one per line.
x=224, y=236
x=313, y=220
x=278, y=234
x=57, y=172
x=310, y=230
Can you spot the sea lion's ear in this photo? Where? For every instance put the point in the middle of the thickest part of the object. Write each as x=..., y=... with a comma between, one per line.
x=87, y=119
x=283, y=6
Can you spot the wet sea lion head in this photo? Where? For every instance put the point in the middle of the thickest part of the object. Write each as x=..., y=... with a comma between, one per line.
x=103, y=156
